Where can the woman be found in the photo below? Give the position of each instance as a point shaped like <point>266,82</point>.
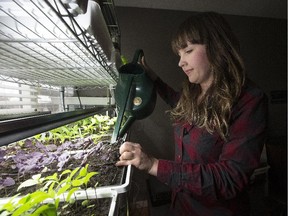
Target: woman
<point>220,121</point>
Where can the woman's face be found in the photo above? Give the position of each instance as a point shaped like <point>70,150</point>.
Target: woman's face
<point>194,62</point>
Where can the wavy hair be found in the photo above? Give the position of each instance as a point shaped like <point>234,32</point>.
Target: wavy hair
<point>213,111</point>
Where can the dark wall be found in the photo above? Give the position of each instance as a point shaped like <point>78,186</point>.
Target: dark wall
<point>264,48</point>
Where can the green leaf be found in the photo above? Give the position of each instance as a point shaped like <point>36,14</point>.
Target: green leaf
<point>45,169</point>
<point>83,171</point>
<point>93,121</point>
<point>75,128</point>
<point>72,201</point>
<point>65,206</point>
<point>74,172</point>
<point>37,136</point>
<point>65,172</point>
<point>27,183</point>
<point>7,206</point>
<point>51,190</point>
<point>88,176</point>
<point>77,182</point>
<point>36,177</point>
<point>34,199</point>
<point>85,203</point>
<point>52,177</point>
<point>106,128</point>
<point>56,201</point>
<point>22,209</point>
<point>70,193</point>
<point>39,196</point>
<point>10,205</point>
<point>91,206</point>
<point>63,189</point>
<point>65,129</point>
<point>45,210</point>
<point>24,199</point>
<point>50,185</point>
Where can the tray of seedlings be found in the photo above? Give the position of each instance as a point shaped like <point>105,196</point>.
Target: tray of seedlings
<point>69,170</point>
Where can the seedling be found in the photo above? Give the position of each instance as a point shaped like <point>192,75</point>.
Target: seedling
<point>45,200</point>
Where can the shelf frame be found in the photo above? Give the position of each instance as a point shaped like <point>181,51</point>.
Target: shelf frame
<point>52,48</point>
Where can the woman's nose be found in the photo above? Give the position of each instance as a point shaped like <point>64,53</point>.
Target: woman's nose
<point>181,62</point>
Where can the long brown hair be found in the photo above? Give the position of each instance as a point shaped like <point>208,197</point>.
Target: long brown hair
<point>214,109</point>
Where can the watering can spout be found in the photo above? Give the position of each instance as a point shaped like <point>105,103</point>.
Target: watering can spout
<point>135,95</point>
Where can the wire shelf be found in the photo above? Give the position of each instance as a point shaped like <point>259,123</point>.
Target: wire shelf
<point>41,43</point>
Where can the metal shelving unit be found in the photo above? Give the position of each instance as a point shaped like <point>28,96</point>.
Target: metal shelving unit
<point>42,43</point>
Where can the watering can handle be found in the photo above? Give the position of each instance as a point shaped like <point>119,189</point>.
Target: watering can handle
<point>137,56</point>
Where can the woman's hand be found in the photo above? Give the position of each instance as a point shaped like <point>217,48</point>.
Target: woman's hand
<point>148,70</point>
<point>132,153</point>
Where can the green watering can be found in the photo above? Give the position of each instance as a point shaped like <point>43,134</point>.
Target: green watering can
<point>135,95</point>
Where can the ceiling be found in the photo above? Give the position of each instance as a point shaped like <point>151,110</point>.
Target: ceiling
<point>258,8</point>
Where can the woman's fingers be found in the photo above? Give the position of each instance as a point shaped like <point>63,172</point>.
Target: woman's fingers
<point>132,154</point>
<point>128,147</point>
<point>123,163</point>
<point>127,155</point>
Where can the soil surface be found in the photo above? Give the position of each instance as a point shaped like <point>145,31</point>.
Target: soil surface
<point>101,158</point>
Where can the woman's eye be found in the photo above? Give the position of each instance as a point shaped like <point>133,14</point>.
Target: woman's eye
<point>189,51</point>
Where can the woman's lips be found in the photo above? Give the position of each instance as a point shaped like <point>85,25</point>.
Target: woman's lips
<point>187,72</point>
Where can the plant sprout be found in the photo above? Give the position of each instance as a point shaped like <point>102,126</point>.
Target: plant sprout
<point>52,187</point>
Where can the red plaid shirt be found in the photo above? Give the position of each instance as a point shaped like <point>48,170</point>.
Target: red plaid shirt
<point>210,176</point>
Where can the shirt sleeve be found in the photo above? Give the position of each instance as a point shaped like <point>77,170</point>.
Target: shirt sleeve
<point>168,94</point>
<point>229,174</point>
